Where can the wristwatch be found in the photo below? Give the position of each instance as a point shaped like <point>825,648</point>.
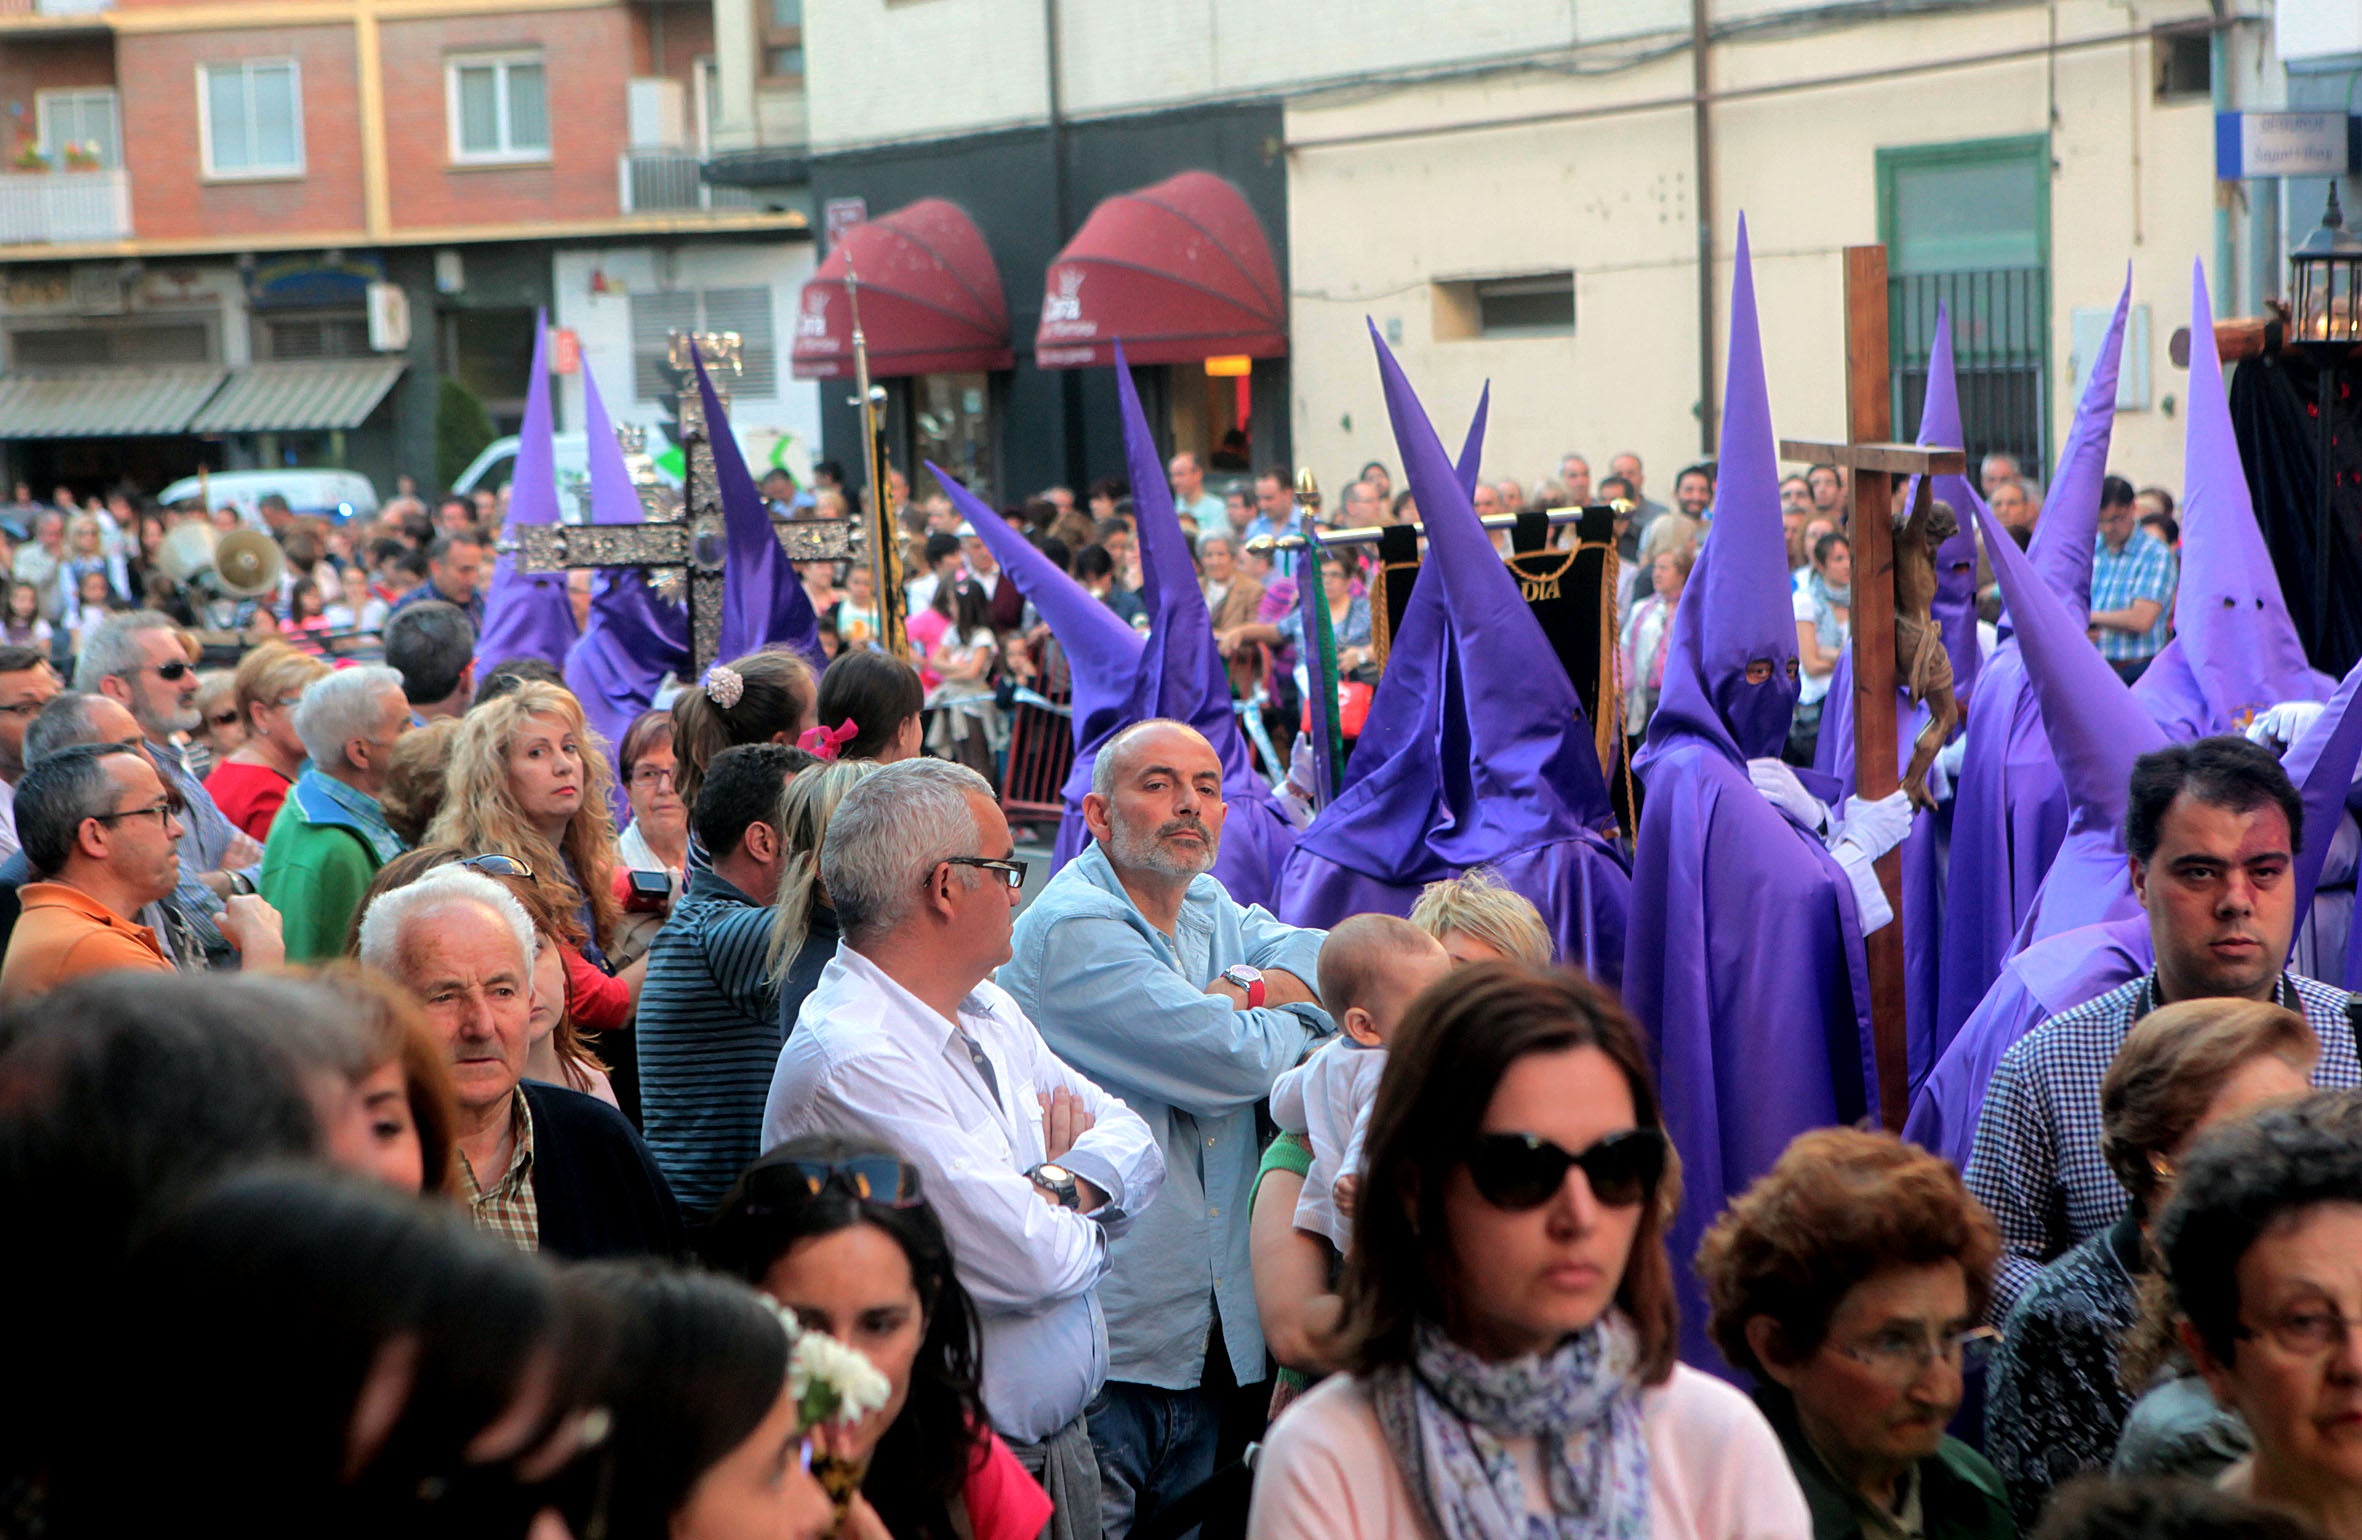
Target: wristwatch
<point>1059,1183</point>
<point>1248,979</point>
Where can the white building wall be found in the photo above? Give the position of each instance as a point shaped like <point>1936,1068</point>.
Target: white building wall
<point>602,321</point>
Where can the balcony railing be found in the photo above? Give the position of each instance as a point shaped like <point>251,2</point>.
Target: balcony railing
<point>671,182</point>
<point>61,208</point>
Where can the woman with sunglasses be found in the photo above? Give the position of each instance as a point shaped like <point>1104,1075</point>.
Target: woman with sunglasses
<point>840,1234</point>
<point>1848,1282</point>
<point>261,757</point>
<point>1508,1322</point>
<point>2262,1245</point>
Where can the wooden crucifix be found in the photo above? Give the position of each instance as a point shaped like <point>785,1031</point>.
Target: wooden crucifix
<point>1870,459</point>
<point>679,546</point>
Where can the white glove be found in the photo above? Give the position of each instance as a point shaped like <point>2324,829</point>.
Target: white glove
<point>1776,779</point>
<point>1869,898</point>
<point>1874,828</point>
<point>1944,771</point>
<point>2279,727</point>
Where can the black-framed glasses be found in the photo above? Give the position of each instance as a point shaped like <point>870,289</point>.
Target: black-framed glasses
<point>1517,1172</point>
<point>164,811</point>
<point>495,864</point>
<point>1012,872</point>
<point>2307,1331</point>
<point>869,1178</point>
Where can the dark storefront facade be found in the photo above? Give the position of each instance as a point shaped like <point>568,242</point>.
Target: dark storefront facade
<point>1023,427</point>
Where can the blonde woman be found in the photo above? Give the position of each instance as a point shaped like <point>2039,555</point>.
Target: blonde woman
<point>251,782</point>
<point>803,923</point>
<point>529,780</point>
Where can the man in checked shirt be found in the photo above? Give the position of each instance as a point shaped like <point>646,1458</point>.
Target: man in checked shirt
<point>2213,828</point>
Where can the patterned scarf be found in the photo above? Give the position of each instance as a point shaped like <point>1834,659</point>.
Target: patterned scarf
<point>1446,1413</point>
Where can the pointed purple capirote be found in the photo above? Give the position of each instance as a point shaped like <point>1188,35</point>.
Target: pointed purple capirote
<point>2063,971</point>
<point>1736,608</point>
<point>763,601</point>
<point>1745,965</point>
<point>2009,807</point>
<point>2095,729</point>
<point>1956,559</point>
<point>527,615</point>
<point>2235,651</point>
<point>1182,673</point>
<point>1103,654</point>
<point>1430,791</point>
<point>633,639</point>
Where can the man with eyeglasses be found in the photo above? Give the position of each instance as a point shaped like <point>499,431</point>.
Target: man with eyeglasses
<point>101,828</point>
<point>139,661</point>
<point>1146,975</point>
<point>26,685</point>
<point>1032,1168</point>
<point>331,835</point>
<point>708,1024</point>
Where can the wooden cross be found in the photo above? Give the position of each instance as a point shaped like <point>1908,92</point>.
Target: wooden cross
<point>680,546</point>
<point>1869,459</point>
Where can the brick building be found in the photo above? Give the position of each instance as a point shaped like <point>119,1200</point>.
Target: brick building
<point>267,232</point>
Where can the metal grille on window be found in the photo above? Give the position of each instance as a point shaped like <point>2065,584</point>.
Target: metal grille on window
<point>748,313</point>
<point>655,317</point>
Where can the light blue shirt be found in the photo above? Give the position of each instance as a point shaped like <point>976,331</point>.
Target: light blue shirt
<point>1262,524</point>
<point>1126,1006</point>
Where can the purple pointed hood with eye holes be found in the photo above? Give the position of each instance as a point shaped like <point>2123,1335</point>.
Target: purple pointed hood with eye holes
<point>527,614</point>
<point>763,601</point>
<point>633,639</point>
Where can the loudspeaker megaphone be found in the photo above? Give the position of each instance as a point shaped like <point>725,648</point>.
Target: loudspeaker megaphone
<point>242,564</point>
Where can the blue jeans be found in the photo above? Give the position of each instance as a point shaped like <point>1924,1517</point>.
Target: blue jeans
<point>1153,1445</point>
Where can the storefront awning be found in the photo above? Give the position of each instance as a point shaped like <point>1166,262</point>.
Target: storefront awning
<point>311,397</point>
<point>1177,272</point>
<point>930,299</point>
<point>103,403</point>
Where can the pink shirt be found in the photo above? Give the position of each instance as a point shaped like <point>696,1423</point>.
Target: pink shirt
<point>1716,1471</point>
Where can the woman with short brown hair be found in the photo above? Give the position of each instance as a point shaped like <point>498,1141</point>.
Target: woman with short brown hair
<point>1508,1323</point>
<point>263,756</point>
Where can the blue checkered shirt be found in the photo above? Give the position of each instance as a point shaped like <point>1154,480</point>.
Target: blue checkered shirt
<point>2036,1163</point>
<point>2144,569</point>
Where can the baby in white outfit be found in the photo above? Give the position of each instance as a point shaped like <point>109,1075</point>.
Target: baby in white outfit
<point>1371,967</point>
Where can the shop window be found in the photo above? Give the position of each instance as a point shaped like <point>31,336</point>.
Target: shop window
<point>1527,305</point>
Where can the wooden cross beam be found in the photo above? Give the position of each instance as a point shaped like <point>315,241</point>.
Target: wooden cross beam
<point>1870,459</point>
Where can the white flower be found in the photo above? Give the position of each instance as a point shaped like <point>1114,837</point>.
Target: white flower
<point>830,1381</point>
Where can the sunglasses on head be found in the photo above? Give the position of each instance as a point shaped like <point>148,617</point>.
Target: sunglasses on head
<point>869,1178</point>
<point>1524,1171</point>
<point>498,865</point>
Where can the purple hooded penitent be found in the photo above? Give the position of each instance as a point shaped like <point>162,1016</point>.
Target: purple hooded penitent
<point>1476,751</point>
<point>763,602</point>
<point>2235,651</point>
<point>2009,808</point>
<point>1745,964</point>
<point>527,615</point>
<point>633,639</point>
<point>1182,674</point>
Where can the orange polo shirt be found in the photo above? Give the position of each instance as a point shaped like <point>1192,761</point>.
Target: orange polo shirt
<point>66,934</point>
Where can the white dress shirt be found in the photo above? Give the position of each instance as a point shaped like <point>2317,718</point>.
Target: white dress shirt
<point>869,1060</point>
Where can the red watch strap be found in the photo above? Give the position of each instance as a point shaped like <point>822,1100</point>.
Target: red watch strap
<point>1255,993</point>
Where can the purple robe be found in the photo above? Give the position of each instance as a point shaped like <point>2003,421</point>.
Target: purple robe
<point>1745,964</point>
<point>763,601</point>
<point>527,615</point>
<point>633,639</point>
<point>1471,755</point>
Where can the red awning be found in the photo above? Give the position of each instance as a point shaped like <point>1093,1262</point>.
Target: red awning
<point>1177,272</point>
<point>930,299</point>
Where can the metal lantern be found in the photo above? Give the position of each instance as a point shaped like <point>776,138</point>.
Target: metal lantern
<point>2326,284</point>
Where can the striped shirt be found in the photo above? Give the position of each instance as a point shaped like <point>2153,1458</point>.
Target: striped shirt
<point>508,1208</point>
<point>2144,569</point>
<point>709,1037</point>
<point>2037,1164</point>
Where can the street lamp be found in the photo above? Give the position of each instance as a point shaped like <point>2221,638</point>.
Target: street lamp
<point>2325,282</point>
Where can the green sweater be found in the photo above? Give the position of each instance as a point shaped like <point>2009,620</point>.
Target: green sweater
<point>1961,1496</point>
<point>314,875</point>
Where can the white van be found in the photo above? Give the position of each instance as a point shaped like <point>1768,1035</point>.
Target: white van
<point>570,451</point>
<point>337,495</point>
